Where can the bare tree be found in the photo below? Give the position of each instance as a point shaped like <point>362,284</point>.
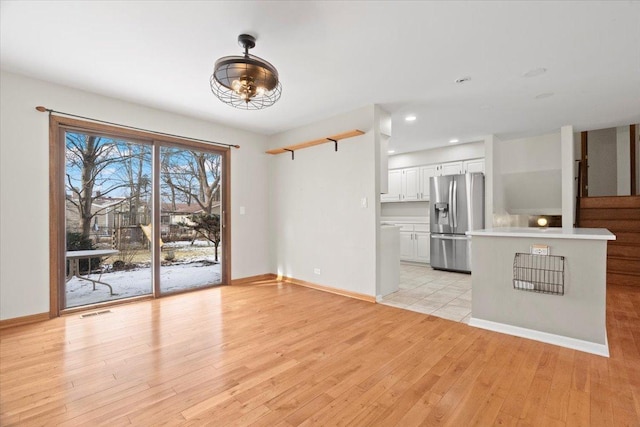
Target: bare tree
<point>192,177</point>
<point>92,163</point>
<point>134,157</point>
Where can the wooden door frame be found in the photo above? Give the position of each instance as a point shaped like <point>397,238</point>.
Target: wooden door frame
<point>58,125</point>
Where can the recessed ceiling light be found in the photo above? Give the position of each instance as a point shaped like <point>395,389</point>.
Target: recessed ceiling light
<point>410,118</point>
<point>391,151</point>
<point>544,95</point>
<point>453,141</point>
<point>535,72</point>
<point>463,79</point>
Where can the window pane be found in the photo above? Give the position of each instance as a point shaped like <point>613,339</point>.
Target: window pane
<point>190,219</point>
<point>108,213</point>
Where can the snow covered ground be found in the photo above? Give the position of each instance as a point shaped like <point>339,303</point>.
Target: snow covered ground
<point>125,284</point>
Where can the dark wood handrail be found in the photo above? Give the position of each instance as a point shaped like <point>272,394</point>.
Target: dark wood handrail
<point>578,194</point>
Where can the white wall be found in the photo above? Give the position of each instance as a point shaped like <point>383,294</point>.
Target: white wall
<point>451,153</point>
<point>623,176</point>
<point>569,188</point>
<point>24,183</point>
<point>491,180</point>
<point>405,209</point>
<point>316,214</point>
<point>527,173</point>
<point>602,162</point>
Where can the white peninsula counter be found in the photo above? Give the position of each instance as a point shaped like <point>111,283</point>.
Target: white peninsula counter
<point>557,295</point>
<point>389,260</point>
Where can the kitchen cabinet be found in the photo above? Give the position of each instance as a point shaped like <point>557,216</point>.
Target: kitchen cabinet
<point>404,186</point>
<point>472,166</point>
<point>451,168</point>
<point>394,193</point>
<point>410,184</point>
<point>423,246</point>
<point>414,242</point>
<point>426,172</point>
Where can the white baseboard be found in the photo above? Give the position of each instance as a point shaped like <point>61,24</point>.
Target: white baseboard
<point>573,343</point>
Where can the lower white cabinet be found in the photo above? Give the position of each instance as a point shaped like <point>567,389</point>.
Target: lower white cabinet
<point>414,242</point>
<point>423,246</point>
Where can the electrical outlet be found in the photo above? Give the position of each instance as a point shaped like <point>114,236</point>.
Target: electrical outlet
<point>364,202</point>
<point>316,271</point>
<point>540,249</point>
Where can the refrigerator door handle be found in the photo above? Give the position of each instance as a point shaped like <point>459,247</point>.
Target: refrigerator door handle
<point>451,203</point>
<point>454,205</point>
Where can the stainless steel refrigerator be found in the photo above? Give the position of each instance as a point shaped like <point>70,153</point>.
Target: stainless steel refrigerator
<point>456,206</point>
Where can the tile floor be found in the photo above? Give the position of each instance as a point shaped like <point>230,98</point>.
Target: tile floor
<point>439,293</point>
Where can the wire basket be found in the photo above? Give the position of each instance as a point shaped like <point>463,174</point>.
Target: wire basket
<point>539,273</point>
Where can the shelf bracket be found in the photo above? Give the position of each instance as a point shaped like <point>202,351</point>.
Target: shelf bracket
<point>335,142</point>
<point>293,154</point>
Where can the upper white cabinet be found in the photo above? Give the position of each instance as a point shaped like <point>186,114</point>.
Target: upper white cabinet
<point>475,165</point>
<point>451,168</point>
<point>426,172</point>
<point>394,193</point>
<point>412,184</point>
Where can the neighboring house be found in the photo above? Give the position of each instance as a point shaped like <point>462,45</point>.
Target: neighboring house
<point>110,213</point>
<point>173,216</point>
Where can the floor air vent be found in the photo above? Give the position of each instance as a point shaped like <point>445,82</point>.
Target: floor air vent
<point>97,313</point>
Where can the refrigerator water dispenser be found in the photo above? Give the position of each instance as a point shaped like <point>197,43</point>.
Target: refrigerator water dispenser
<point>442,213</point>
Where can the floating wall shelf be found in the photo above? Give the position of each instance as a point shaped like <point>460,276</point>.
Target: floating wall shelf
<point>334,138</point>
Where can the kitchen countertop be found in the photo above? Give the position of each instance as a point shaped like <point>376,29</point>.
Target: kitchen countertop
<point>405,220</point>
<point>548,233</point>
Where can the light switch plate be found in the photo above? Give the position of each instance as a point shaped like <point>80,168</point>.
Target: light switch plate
<point>242,210</point>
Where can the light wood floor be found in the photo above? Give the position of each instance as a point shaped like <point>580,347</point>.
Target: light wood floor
<point>278,355</point>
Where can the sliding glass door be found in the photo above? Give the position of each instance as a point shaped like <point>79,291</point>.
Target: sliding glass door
<point>190,212</point>
<point>141,217</point>
<point>107,210</point>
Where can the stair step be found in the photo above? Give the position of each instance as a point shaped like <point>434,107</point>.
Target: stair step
<point>610,213</point>
<point>623,265</point>
<point>613,225</point>
<point>614,278</point>
<point>623,250</point>
<point>610,202</point>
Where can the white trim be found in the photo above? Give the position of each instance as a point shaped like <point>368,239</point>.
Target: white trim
<point>567,156</point>
<point>573,343</point>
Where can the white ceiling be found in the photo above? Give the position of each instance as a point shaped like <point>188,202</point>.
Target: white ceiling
<point>337,56</point>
